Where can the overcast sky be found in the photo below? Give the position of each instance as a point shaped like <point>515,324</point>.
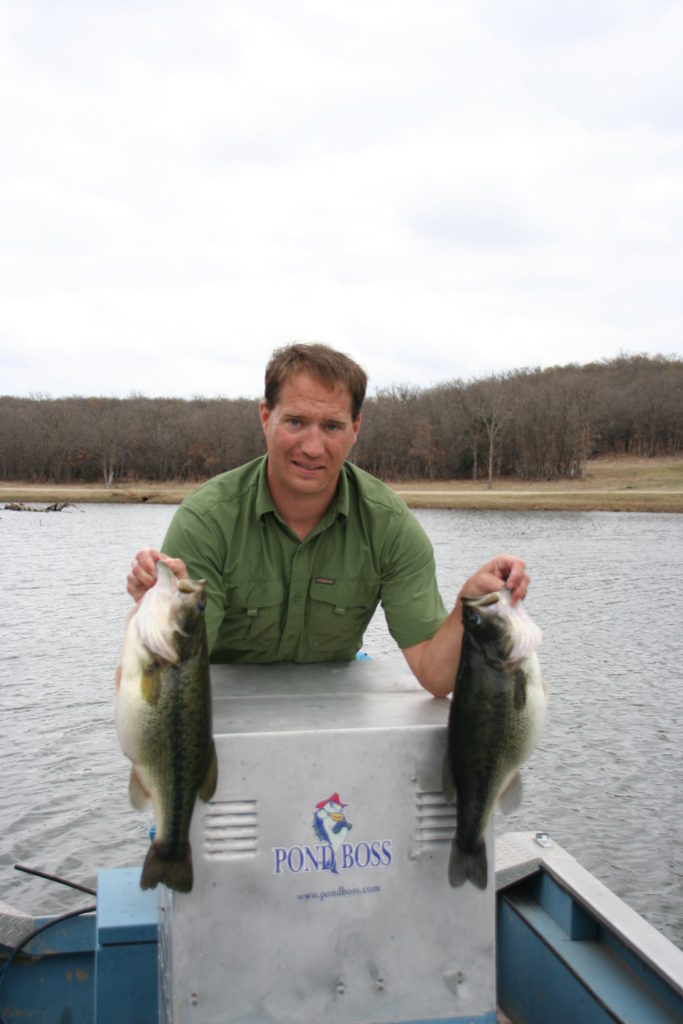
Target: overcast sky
<point>441,189</point>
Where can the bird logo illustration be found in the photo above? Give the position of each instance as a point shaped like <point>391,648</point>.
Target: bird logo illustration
<point>331,825</point>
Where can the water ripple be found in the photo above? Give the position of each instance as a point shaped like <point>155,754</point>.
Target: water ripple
<point>605,781</point>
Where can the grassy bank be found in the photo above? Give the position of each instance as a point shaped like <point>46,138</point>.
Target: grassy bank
<point>611,485</point>
<point>620,485</point>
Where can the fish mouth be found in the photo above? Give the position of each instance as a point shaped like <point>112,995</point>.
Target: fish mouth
<point>511,632</point>
<point>483,602</point>
<point>489,605</point>
<point>188,586</point>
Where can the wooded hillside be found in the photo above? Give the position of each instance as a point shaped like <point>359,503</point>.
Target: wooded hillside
<point>532,423</point>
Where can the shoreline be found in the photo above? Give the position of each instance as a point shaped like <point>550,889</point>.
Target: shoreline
<point>565,497</point>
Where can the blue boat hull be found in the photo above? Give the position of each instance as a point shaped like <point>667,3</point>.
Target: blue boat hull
<point>568,950</point>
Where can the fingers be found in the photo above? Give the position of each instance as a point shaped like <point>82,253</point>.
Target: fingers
<point>176,565</point>
<point>513,572</point>
<point>143,571</point>
<point>502,571</point>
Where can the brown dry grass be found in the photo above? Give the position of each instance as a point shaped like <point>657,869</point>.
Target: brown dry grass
<point>622,484</point>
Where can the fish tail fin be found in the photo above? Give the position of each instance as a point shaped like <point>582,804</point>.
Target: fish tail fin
<point>172,868</point>
<point>468,865</point>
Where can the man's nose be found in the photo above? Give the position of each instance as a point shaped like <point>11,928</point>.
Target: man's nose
<point>312,440</point>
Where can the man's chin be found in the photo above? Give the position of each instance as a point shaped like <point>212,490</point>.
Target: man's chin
<point>307,481</point>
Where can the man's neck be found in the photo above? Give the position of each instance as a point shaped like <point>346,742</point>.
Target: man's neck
<point>301,512</point>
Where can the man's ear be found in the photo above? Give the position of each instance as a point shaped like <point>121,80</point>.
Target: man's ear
<point>264,413</point>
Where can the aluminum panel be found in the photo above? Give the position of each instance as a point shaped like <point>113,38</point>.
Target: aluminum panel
<point>321,889</point>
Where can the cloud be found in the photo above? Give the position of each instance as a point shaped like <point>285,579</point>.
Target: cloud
<point>439,189</point>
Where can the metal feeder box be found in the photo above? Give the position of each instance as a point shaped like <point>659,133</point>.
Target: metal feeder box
<point>321,890</point>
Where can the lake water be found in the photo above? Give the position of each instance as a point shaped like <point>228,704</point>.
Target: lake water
<point>606,781</point>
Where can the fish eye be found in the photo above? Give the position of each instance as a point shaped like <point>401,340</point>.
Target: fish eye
<point>201,605</point>
<point>474,618</point>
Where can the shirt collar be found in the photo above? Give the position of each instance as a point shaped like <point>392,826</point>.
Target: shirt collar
<point>264,501</point>
<point>338,509</point>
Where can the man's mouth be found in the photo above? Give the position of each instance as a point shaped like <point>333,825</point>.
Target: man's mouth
<point>308,467</point>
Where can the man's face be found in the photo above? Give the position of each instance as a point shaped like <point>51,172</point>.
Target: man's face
<point>309,434</point>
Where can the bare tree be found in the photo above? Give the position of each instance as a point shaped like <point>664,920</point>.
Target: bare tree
<point>488,400</point>
<point>537,423</point>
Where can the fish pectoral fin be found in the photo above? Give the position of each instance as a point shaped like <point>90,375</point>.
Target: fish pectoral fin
<point>150,682</point>
<point>208,786</point>
<point>447,780</point>
<point>139,796</point>
<point>511,797</point>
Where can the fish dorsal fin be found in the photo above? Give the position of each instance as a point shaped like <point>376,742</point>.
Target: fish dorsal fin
<point>447,780</point>
<point>208,786</point>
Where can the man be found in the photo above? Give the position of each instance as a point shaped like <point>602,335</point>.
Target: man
<point>298,547</point>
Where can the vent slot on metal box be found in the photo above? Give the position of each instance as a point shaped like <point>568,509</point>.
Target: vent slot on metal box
<point>435,819</point>
<point>231,829</point>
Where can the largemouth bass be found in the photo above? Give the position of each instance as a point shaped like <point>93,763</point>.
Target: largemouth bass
<point>163,719</point>
<point>496,717</point>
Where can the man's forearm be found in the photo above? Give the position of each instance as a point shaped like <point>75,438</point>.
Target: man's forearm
<point>434,662</point>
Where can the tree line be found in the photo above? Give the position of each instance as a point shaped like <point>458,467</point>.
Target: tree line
<point>531,423</point>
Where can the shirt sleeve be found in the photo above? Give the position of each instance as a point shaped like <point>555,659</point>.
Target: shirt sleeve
<point>200,546</point>
<point>413,606</point>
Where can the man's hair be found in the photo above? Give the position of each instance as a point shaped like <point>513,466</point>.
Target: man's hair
<point>321,362</point>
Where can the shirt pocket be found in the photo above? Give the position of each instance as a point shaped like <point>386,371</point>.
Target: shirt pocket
<point>253,613</point>
<point>339,613</point>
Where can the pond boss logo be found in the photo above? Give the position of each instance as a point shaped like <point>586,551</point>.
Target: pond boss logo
<point>334,850</point>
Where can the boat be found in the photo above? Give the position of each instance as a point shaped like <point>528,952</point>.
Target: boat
<point>281,927</point>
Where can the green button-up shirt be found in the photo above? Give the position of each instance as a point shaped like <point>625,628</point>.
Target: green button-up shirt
<point>272,597</point>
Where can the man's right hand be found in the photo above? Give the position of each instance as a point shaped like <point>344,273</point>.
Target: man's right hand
<point>143,571</point>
